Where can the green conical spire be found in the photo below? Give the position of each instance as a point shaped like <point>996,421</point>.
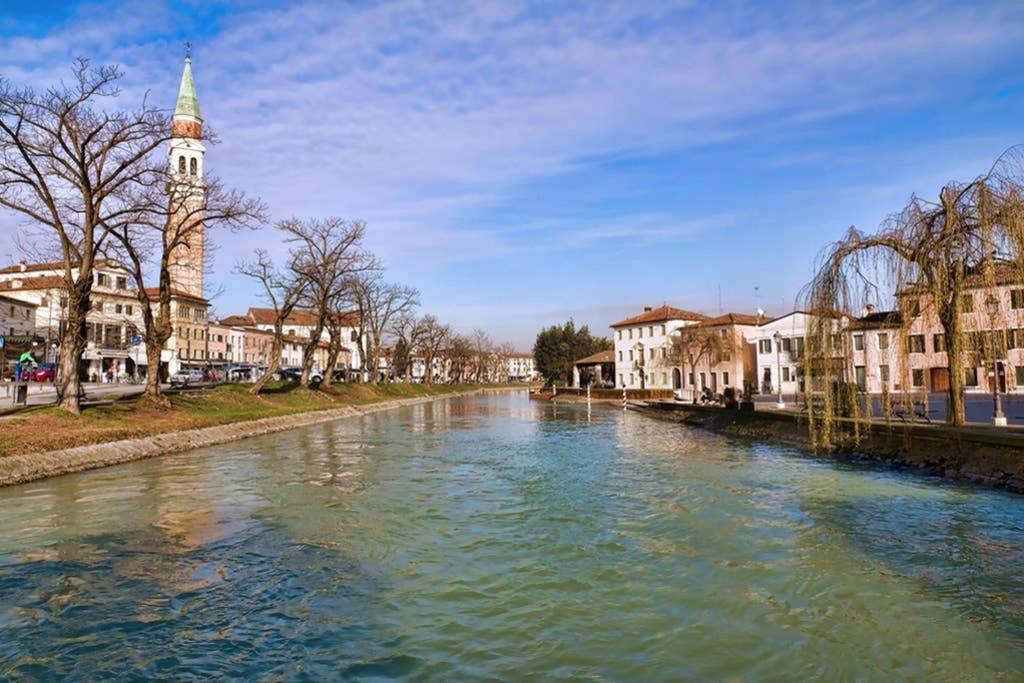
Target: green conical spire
<point>188,103</point>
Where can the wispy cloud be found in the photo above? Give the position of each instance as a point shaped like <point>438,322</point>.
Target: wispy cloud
<point>420,116</point>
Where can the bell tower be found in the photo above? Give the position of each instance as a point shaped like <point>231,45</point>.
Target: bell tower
<point>187,190</point>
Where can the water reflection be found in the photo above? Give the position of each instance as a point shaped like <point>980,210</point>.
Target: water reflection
<point>496,537</point>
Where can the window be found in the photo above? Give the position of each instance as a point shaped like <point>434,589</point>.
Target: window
<point>631,354</point>
<point>787,344</point>
<point>725,379</point>
<point>118,308</point>
<point>883,341</point>
<point>883,373</point>
<point>181,165</point>
<point>703,380</point>
<point>355,336</point>
<point>967,303</point>
<point>620,335</point>
<point>785,374</point>
<point>1015,338</point>
<point>916,343</point>
<point>631,336</point>
<point>620,356</point>
<point>939,342</point>
<point>664,378</point>
<point>1016,299</point>
<point>102,279</point>
<point>128,309</point>
<point>651,354</point>
<point>691,379</point>
<point>664,352</point>
<point>858,342</point>
<point>860,377</point>
<point>914,309</point>
<point>122,282</point>
<point>193,166</point>
<point>650,331</point>
<point>640,333</point>
<point>971,377</point>
<point>917,377</point>
<point>1020,375</point>
<point>765,346</point>
<point>663,329</point>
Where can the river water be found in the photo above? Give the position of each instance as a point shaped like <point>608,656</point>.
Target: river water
<point>498,538</point>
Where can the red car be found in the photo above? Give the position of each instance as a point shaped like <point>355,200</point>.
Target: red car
<point>44,373</point>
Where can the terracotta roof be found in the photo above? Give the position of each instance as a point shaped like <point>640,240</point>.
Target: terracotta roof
<point>34,283</point>
<point>877,320</point>
<point>236,321</point>
<point>599,357</point>
<point>23,267</point>
<point>660,314</point>
<point>154,292</point>
<point>735,319</point>
<point>299,316</point>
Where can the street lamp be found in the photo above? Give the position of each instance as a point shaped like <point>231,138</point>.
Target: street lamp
<point>778,362</point>
<point>998,418</point>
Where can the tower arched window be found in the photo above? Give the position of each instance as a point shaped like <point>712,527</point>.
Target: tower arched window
<point>193,167</point>
<point>181,165</point>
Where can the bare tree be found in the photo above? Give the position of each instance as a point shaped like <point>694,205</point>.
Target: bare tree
<point>483,352</point>
<point>406,329</point>
<point>337,324</point>
<point>693,345</point>
<point>328,254</point>
<point>170,215</point>
<point>459,357</point>
<point>283,289</point>
<point>433,338</point>
<point>378,304</point>
<point>70,163</point>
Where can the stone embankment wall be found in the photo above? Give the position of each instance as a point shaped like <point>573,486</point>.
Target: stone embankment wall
<point>19,469</point>
<point>978,455</point>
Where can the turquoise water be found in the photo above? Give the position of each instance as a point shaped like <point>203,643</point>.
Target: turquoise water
<point>495,538</point>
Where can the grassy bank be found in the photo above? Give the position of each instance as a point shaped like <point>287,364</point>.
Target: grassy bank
<point>39,429</point>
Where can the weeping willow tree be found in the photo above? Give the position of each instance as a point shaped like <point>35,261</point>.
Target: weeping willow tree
<point>931,259</point>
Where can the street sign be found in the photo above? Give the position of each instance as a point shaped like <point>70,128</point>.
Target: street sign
<point>2,345</point>
<point>136,340</point>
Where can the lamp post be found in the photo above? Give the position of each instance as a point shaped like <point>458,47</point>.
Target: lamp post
<point>778,362</point>
<point>998,417</point>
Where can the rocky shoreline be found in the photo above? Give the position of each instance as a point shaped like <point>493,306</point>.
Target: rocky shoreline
<point>977,456</point>
<point>21,469</point>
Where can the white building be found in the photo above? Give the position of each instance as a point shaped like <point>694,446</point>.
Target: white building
<point>520,367</point>
<point>643,344</point>
<point>780,346</point>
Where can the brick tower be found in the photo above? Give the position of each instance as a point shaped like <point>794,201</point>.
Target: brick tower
<point>187,190</point>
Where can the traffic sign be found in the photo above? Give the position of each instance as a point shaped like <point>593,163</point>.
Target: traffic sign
<point>136,340</point>
<point>2,344</point>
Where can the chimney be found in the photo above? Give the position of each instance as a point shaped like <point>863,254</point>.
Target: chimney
<point>647,309</point>
<point>22,267</point>
<point>869,309</point>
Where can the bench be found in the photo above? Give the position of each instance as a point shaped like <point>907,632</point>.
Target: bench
<point>919,409</point>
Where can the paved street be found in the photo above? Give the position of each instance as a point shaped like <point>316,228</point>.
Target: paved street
<point>978,408</point>
<point>45,394</point>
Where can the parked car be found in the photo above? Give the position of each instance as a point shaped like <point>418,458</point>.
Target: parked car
<point>294,374</point>
<point>47,372</point>
<point>183,378</point>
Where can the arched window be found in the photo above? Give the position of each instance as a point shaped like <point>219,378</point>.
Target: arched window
<point>193,167</point>
<point>181,165</point>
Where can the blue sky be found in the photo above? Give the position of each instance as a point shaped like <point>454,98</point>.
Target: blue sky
<point>523,162</point>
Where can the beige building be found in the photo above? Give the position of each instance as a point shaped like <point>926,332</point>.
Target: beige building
<point>722,355</point>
